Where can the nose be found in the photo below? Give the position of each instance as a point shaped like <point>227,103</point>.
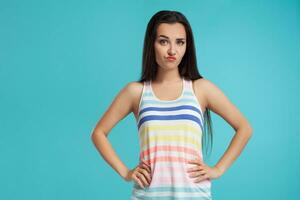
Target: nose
<point>171,50</point>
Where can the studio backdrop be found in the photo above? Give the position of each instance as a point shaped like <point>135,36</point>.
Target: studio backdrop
<point>63,62</point>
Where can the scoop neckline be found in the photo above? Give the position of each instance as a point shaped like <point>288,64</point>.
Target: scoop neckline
<point>181,95</point>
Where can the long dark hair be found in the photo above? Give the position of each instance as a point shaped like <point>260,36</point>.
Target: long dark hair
<point>188,65</point>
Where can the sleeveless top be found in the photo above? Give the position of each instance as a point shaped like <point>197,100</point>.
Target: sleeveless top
<point>170,134</point>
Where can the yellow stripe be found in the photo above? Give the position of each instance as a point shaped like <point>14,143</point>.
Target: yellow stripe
<point>180,127</point>
<point>170,138</point>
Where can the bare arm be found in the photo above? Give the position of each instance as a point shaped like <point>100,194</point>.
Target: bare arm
<point>221,105</point>
<point>121,106</point>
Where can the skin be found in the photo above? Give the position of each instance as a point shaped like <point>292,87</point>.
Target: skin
<point>167,86</point>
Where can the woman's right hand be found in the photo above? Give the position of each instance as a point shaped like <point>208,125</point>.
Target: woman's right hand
<point>141,174</point>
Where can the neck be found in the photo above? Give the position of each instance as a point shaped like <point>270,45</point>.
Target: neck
<point>167,76</point>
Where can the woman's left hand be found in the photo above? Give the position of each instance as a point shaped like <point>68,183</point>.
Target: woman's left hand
<point>202,171</point>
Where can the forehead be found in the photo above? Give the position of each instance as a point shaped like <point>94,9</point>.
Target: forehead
<point>175,30</point>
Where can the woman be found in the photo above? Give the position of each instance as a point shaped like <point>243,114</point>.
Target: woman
<point>171,104</point>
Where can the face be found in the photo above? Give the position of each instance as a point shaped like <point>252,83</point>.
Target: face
<point>170,42</point>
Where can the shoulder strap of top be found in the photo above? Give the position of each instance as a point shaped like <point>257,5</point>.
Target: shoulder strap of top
<point>189,85</point>
<point>144,90</point>
<point>147,87</point>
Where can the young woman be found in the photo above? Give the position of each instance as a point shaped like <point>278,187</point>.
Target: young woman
<point>171,103</point>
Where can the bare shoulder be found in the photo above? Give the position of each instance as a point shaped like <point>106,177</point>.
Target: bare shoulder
<point>208,90</point>
<point>135,90</point>
<point>217,101</point>
<point>205,85</point>
<point>199,86</point>
<point>203,82</point>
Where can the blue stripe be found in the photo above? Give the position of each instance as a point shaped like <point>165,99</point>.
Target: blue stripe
<point>142,193</point>
<point>170,117</point>
<point>172,197</point>
<point>171,109</point>
<point>186,101</point>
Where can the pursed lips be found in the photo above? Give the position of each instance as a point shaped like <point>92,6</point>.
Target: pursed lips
<point>171,58</point>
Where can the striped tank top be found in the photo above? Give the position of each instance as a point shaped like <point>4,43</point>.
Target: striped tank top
<point>170,134</point>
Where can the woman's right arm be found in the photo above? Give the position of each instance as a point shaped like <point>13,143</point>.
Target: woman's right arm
<point>120,107</point>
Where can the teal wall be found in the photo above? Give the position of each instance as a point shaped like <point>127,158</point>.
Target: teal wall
<point>63,62</point>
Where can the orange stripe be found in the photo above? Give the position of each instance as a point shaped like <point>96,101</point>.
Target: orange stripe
<point>147,152</point>
<point>166,159</point>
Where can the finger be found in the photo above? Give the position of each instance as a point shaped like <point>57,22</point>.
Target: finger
<point>138,181</point>
<point>193,169</point>
<point>143,179</point>
<point>201,179</point>
<point>146,174</point>
<point>143,161</point>
<point>194,174</point>
<point>197,160</point>
<point>194,162</point>
<point>146,167</point>
<point>197,174</point>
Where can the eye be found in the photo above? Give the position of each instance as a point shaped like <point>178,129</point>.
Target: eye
<point>162,41</point>
<point>181,42</point>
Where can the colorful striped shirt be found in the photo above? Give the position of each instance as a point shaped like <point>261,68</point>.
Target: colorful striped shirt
<point>170,134</point>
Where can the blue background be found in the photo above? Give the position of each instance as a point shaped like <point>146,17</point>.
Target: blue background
<point>63,62</point>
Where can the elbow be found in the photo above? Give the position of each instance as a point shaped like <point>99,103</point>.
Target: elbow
<point>96,134</point>
<point>93,136</point>
<point>249,130</point>
<point>245,129</point>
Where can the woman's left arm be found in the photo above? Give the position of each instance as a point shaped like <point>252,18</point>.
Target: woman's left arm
<point>221,105</point>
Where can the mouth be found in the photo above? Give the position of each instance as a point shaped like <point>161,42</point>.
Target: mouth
<point>171,58</point>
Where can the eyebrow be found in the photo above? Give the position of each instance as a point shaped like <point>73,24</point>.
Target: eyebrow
<point>168,37</point>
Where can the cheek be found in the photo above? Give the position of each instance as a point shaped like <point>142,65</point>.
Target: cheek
<point>159,53</point>
<point>182,52</point>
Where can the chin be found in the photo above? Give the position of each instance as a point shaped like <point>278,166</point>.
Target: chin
<point>169,65</point>
<point>173,66</point>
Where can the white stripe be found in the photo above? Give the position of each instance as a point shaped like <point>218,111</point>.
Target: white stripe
<point>155,103</point>
<point>169,164</point>
<point>205,184</point>
<point>149,97</point>
<point>172,112</point>
<point>167,153</point>
<point>171,123</point>
<point>177,194</point>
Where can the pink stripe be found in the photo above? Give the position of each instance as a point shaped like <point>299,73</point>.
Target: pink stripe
<point>168,159</point>
<point>147,152</point>
<point>159,181</point>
